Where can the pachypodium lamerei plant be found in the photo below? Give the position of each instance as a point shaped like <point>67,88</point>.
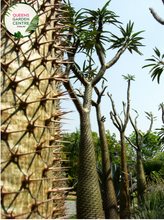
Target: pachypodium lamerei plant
<point>110,202</point>
<point>141,179</point>
<point>32,181</point>
<point>121,126</point>
<point>90,37</point>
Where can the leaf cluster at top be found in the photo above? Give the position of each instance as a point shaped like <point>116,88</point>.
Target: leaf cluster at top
<point>157,65</point>
<point>89,35</point>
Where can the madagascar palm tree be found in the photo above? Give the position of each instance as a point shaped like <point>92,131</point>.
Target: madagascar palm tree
<point>141,180</point>
<point>110,202</point>
<point>121,126</point>
<point>88,37</point>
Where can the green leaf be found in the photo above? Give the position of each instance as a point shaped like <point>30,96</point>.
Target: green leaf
<point>78,67</point>
<point>137,33</point>
<point>157,51</point>
<point>151,60</point>
<point>149,65</point>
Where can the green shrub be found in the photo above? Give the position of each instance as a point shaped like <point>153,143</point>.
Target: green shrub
<point>151,208</point>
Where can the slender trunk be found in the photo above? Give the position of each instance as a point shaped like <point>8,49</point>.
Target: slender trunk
<point>110,202</point>
<point>89,203</point>
<point>124,187</point>
<point>141,181</point>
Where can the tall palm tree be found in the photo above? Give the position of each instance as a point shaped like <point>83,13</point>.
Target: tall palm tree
<point>88,37</point>
<point>121,126</point>
<point>110,202</point>
<point>141,180</point>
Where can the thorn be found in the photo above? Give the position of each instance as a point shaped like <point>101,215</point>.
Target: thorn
<point>60,180</point>
<point>61,152</point>
<point>47,168</point>
<point>61,160</point>
<point>65,118</point>
<point>3,191</point>
<point>58,209</point>
<point>66,142</point>
<point>59,189</point>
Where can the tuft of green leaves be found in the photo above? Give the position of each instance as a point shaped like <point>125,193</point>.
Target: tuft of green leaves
<point>161,106</point>
<point>96,19</point>
<point>86,71</point>
<point>150,115</point>
<point>129,77</point>
<point>133,40</point>
<point>157,65</point>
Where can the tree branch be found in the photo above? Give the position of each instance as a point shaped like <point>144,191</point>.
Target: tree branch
<point>72,93</point>
<point>124,105</point>
<point>115,114</point>
<point>100,54</point>
<point>151,124</point>
<point>135,128</point>
<point>78,74</point>
<point>155,15</point>
<point>114,122</point>
<point>162,107</point>
<point>128,106</point>
<point>99,75</point>
<point>100,94</point>
<point>133,145</point>
<point>117,56</point>
<point>97,45</point>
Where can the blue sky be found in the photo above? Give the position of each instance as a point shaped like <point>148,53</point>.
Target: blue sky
<point>145,95</point>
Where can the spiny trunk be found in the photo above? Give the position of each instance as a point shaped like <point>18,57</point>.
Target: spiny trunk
<point>110,202</point>
<point>124,187</point>
<point>32,183</point>
<point>89,203</point>
<point>141,181</point>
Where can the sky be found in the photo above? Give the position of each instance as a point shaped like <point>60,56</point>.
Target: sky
<point>145,94</point>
